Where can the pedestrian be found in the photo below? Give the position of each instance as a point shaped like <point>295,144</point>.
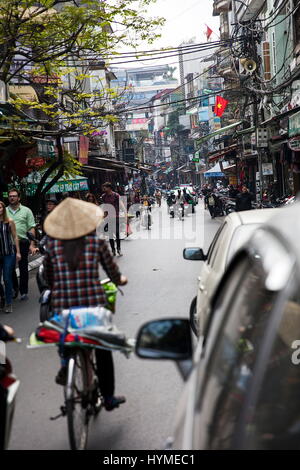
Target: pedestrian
<point>244,200</point>
<point>91,198</point>
<point>137,200</point>
<point>211,203</point>
<point>9,253</point>
<point>109,197</point>
<point>158,197</point>
<point>50,204</point>
<point>74,253</point>
<point>24,220</point>
<point>233,192</point>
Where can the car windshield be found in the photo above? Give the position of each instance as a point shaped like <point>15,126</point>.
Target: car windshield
<point>240,236</point>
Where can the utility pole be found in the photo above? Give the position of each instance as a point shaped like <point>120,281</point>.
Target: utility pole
<point>259,156</point>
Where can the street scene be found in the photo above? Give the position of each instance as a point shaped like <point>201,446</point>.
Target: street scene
<point>149,226</point>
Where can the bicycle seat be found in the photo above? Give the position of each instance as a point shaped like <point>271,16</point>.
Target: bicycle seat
<point>101,333</point>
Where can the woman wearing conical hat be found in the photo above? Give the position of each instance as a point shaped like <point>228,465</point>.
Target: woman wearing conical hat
<point>74,252</point>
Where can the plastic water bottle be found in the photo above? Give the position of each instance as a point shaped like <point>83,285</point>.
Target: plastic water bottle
<point>84,317</point>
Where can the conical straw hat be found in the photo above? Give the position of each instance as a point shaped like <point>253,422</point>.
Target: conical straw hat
<point>73,218</point>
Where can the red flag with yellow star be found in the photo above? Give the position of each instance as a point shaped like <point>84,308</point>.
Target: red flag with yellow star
<point>220,106</point>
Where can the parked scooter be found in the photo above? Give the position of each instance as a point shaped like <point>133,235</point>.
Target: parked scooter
<point>9,385</point>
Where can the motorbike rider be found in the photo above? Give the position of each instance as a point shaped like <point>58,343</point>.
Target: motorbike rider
<point>188,198</point>
<point>171,200</point>
<point>180,201</point>
<point>71,263</point>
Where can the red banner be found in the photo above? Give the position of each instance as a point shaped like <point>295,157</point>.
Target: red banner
<point>83,149</point>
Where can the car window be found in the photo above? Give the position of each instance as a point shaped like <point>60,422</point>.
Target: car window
<point>239,237</point>
<point>243,319</point>
<point>210,254</point>
<point>218,255</point>
<point>275,422</point>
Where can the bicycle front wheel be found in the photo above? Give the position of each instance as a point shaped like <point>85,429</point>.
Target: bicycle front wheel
<point>76,394</point>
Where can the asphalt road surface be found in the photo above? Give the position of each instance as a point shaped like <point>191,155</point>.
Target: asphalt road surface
<point>161,284</point>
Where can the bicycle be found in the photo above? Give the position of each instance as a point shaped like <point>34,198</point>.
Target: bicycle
<point>82,398</point>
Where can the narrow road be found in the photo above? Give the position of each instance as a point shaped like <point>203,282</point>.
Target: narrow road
<point>161,284</point>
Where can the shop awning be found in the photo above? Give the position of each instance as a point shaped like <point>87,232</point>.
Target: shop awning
<point>217,132</point>
<point>221,153</point>
<point>281,116</point>
<point>145,168</point>
<point>180,168</point>
<point>230,167</point>
<point>108,162</point>
<point>246,131</point>
<point>97,168</point>
<point>215,171</point>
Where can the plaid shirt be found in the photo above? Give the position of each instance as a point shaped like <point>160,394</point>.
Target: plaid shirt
<point>81,287</point>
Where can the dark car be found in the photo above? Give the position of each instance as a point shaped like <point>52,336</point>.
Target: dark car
<point>243,384</point>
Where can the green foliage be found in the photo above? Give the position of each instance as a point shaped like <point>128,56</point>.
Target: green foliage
<point>53,46</point>
<point>173,124</point>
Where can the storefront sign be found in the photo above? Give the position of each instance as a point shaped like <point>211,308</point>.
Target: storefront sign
<point>267,169</point>
<point>294,124</point>
<point>294,144</point>
<point>61,186</point>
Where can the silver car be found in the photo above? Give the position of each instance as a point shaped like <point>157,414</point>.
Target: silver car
<point>243,384</point>
<point>232,234</point>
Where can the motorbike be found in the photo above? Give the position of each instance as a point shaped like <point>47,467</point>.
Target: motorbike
<point>9,385</point>
<point>172,211</point>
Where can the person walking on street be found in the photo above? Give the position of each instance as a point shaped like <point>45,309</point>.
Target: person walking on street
<point>113,219</point>
<point>158,197</point>
<point>74,253</point>
<point>211,202</point>
<point>24,221</point>
<point>9,253</point>
<point>51,203</point>
<point>90,197</point>
<point>137,200</point>
<point>244,199</point>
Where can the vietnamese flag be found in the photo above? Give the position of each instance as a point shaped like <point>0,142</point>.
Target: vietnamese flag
<point>220,106</point>
<point>209,32</point>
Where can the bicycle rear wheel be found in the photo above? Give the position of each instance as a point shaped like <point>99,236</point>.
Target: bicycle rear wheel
<point>76,394</point>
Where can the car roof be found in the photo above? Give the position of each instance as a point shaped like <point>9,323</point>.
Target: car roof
<point>256,216</point>
<point>286,224</point>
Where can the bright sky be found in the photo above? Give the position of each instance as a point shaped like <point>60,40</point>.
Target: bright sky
<point>184,20</point>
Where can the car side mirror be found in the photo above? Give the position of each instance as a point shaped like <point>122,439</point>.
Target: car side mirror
<point>194,253</point>
<point>168,338</point>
